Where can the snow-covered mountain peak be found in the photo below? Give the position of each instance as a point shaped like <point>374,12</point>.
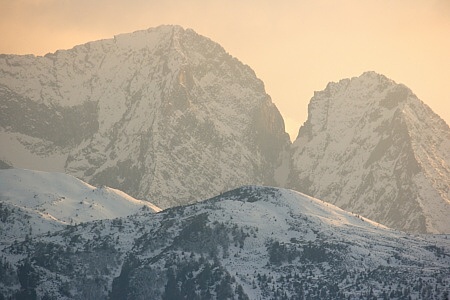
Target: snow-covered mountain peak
<point>163,113</point>
<point>348,101</point>
<point>147,39</point>
<point>371,146</point>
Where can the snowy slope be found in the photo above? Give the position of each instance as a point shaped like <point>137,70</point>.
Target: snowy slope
<point>249,243</point>
<point>162,113</point>
<point>371,147</point>
<point>34,202</point>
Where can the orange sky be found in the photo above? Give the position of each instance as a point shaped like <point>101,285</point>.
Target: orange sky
<point>294,46</point>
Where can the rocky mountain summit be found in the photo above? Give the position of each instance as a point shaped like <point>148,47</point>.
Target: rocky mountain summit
<point>163,114</point>
<point>370,146</point>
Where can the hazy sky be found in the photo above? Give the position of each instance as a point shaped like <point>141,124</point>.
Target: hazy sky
<point>295,46</point>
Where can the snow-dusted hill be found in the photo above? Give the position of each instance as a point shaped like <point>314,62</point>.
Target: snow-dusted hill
<point>33,203</point>
<point>372,147</point>
<point>164,114</point>
<point>249,243</point>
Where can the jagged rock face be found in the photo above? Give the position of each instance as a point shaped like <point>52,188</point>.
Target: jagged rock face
<point>162,114</point>
<point>372,147</point>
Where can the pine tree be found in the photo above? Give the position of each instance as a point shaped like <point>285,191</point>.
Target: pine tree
<point>171,290</point>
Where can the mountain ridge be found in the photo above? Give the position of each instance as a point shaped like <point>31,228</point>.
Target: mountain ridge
<point>249,243</point>
<point>34,203</point>
<point>169,115</point>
